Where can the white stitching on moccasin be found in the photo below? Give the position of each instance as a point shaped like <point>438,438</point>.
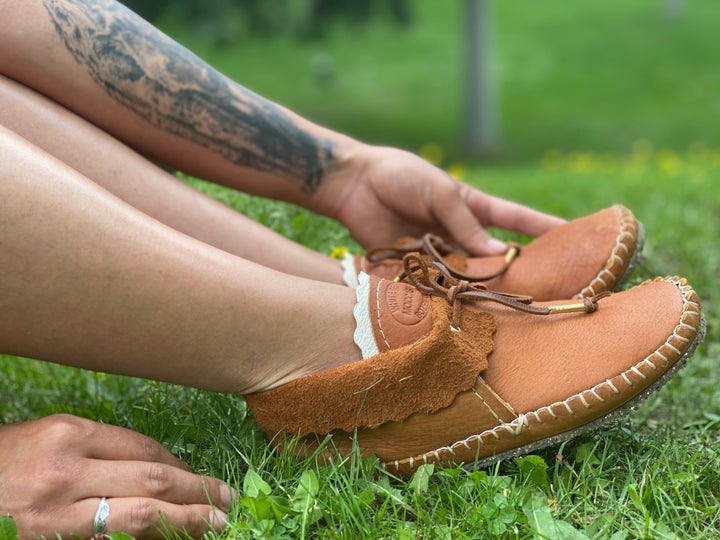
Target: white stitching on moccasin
<point>628,232</point>
<point>487,405</point>
<point>516,426</point>
<point>377,304</point>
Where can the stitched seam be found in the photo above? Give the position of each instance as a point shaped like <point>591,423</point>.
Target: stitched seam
<point>515,427</point>
<point>377,309</point>
<point>619,244</point>
<point>612,386</point>
<point>489,408</point>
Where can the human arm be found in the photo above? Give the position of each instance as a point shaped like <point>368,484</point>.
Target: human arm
<point>111,67</point>
<point>387,193</point>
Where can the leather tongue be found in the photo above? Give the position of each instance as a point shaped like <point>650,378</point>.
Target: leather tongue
<point>400,315</point>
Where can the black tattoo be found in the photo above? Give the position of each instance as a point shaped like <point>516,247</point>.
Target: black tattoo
<point>144,70</point>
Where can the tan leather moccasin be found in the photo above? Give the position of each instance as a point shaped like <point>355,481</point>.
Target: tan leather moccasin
<point>456,374</point>
<point>583,257</point>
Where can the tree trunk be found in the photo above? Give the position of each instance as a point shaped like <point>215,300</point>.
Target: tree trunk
<point>481,123</point>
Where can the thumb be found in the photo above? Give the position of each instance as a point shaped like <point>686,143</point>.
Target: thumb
<point>464,228</point>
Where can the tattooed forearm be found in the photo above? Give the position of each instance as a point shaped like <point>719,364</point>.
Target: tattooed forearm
<point>176,91</point>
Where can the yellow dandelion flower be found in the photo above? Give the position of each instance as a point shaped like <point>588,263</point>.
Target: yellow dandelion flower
<point>457,170</point>
<point>581,162</point>
<point>432,152</point>
<point>669,162</point>
<point>338,252</point>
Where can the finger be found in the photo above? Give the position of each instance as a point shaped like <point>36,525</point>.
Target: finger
<point>454,213</point>
<point>511,216</point>
<point>153,480</point>
<point>145,518</point>
<point>107,442</point>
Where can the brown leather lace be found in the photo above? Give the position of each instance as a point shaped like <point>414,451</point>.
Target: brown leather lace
<point>437,249</point>
<point>458,291</point>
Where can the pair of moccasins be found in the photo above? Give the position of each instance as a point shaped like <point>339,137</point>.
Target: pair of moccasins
<point>473,360</point>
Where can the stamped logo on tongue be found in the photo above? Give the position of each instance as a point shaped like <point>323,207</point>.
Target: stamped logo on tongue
<point>406,305</point>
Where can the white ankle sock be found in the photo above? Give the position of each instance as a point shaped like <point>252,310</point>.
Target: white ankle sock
<point>350,276</point>
<point>363,336</point>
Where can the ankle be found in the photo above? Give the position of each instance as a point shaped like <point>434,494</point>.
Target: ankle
<point>311,342</point>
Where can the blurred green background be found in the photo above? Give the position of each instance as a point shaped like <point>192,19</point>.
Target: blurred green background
<point>596,76</point>
<point>596,103</point>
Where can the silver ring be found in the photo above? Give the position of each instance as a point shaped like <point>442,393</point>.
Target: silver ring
<point>100,521</point>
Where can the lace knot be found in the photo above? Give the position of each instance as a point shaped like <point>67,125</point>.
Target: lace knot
<point>454,290</point>
<point>435,279</point>
<point>436,249</point>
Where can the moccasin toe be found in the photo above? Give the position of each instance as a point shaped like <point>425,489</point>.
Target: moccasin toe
<point>581,258</point>
<point>549,379</point>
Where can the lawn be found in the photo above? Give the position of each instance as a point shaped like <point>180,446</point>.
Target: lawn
<point>654,474</point>
<point>605,103</point>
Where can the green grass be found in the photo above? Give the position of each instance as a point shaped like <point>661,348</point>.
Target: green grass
<point>601,103</point>
<point>654,474</point>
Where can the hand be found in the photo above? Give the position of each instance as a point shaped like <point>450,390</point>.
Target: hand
<point>387,193</point>
<point>54,471</point>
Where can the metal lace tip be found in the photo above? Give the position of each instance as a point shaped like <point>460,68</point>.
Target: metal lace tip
<point>568,308</point>
<point>511,254</point>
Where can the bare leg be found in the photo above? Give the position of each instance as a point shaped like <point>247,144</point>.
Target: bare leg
<point>140,183</point>
<point>90,281</point>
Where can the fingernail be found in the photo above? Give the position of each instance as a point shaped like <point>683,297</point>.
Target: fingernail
<point>218,519</point>
<point>495,245</point>
<point>225,496</point>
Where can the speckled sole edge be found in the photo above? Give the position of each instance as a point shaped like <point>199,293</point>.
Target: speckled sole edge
<point>637,256</point>
<point>595,424</point>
